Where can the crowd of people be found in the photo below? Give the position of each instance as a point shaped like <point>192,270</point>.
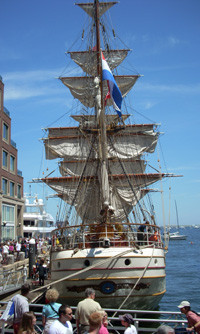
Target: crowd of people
<point>22,245</point>
<point>90,318</point>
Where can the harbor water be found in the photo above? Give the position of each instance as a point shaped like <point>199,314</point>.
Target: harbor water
<point>182,270</point>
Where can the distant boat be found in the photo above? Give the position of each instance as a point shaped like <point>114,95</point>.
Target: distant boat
<point>176,235</point>
<point>37,222</point>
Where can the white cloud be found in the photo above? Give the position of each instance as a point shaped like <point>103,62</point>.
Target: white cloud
<point>179,88</point>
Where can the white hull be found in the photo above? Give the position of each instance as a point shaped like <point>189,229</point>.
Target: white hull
<point>113,279</point>
<point>177,236</point>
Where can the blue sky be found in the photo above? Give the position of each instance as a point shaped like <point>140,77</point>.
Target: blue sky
<point>165,38</point>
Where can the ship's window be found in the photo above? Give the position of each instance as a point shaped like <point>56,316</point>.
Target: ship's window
<point>155,261</point>
<point>87,263</point>
<point>127,262</point>
<point>58,264</point>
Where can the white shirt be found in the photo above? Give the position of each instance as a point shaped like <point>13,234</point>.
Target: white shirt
<point>5,249</point>
<point>131,330</point>
<point>18,247</point>
<point>21,306</point>
<point>58,328</point>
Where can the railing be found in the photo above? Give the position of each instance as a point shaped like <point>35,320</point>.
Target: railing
<point>145,321</point>
<point>106,235</point>
<point>11,280</point>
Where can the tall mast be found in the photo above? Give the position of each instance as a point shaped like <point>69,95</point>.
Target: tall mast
<point>103,155</point>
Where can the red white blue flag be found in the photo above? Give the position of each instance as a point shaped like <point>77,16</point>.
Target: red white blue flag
<point>114,92</point>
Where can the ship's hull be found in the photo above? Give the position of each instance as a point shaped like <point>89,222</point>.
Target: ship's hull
<point>113,275</point>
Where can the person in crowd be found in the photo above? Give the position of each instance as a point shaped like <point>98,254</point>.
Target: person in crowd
<point>42,272</point>
<point>62,325</point>
<point>104,325</point>
<point>18,249</point>
<point>21,306</point>
<point>164,329</point>
<point>193,318</point>
<point>24,248</point>
<point>11,248</point>
<point>95,323</point>
<point>50,310</point>
<point>84,309</point>
<point>127,321</point>
<point>27,324</point>
<point>5,252</point>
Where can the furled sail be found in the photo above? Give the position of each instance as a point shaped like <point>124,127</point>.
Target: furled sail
<point>87,60</point>
<point>125,191</point>
<point>90,9</point>
<point>84,88</point>
<point>91,167</point>
<point>119,146</point>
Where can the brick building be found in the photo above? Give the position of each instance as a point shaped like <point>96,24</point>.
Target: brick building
<point>11,180</point>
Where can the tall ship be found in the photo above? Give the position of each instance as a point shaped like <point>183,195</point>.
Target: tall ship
<point>109,239</point>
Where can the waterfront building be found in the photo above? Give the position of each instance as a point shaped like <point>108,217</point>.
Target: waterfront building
<point>11,180</point>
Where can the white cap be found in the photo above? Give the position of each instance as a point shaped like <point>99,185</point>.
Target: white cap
<point>183,304</point>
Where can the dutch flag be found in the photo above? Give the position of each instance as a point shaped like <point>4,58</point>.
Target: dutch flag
<point>114,92</point>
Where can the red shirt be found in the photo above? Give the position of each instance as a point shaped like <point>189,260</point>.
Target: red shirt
<point>193,318</point>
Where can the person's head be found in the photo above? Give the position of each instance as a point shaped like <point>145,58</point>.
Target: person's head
<point>28,321</point>
<point>52,295</point>
<point>164,329</point>
<point>25,288</point>
<point>126,319</point>
<point>42,261</point>
<point>95,320</point>
<point>104,318</point>
<point>90,293</point>
<point>65,313</point>
<point>184,306</point>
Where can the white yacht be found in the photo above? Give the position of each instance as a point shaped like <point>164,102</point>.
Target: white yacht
<point>37,222</point>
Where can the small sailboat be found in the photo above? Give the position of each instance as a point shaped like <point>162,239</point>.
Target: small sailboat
<point>176,235</point>
<point>109,238</point>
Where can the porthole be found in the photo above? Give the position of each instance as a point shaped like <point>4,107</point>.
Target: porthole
<point>87,263</point>
<point>127,262</point>
<point>58,264</point>
<point>155,261</point>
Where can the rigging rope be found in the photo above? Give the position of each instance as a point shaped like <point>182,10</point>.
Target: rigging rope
<point>135,283</point>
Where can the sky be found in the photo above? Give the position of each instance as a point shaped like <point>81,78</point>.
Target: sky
<point>165,40</point>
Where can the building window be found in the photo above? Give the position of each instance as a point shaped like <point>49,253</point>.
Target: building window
<point>5,186</point>
<point>5,131</point>
<point>19,191</point>
<point>8,220</point>
<point>5,159</point>
<point>12,189</point>
<point>12,163</point>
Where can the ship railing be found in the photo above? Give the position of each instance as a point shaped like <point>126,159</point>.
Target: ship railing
<point>144,321</point>
<point>116,235</point>
<point>10,279</point>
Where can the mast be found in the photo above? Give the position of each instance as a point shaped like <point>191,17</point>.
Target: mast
<point>177,215</point>
<point>103,156</point>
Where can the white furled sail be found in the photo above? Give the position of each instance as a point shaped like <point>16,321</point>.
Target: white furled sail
<point>87,60</point>
<point>84,88</point>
